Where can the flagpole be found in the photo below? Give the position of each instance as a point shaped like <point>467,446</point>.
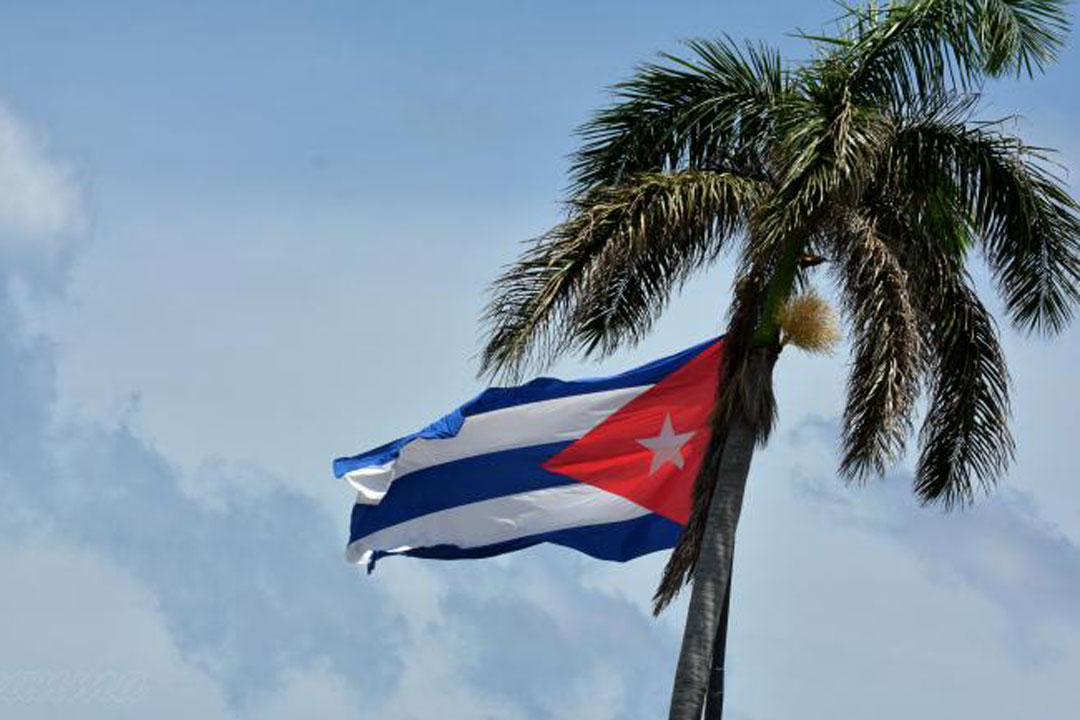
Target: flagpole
<point>714,696</point>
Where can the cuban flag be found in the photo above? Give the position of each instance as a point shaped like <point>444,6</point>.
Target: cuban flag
<point>605,466</point>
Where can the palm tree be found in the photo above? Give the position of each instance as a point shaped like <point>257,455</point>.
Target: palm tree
<point>867,161</point>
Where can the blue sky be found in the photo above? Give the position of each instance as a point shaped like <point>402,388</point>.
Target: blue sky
<point>238,240</point>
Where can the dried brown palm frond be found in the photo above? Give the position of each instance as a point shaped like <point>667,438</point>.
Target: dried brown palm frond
<point>965,436</point>
<point>884,379</point>
<point>965,441</point>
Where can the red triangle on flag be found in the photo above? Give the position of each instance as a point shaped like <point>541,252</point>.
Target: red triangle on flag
<point>649,451</point>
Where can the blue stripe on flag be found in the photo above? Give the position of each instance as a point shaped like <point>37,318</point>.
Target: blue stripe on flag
<point>460,482</point>
<point>618,541</point>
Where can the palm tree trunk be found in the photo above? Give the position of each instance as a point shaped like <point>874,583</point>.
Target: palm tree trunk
<point>712,573</point>
<point>714,696</point>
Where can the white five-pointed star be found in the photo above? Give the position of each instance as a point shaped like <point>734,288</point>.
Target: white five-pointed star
<point>667,446</point>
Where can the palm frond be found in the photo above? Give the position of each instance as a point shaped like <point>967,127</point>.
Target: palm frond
<point>1028,225</point>
<point>883,383</point>
<point>964,440</point>
<point>1020,35</point>
<point>707,111</point>
<point>600,278</point>
<point>831,149</point>
<point>908,50</point>
<point>675,225</point>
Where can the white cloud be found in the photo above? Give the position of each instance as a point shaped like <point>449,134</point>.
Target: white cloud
<point>857,595</point>
<point>82,639</point>
<point>39,199</point>
<point>1002,548</point>
<point>316,691</point>
<point>600,694</point>
<point>433,680</point>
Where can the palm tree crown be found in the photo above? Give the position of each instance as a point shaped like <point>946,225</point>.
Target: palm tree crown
<point>869,156</point>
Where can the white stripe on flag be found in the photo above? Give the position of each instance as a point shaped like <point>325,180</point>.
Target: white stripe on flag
<point>500,519</point>
<point>536,423</point>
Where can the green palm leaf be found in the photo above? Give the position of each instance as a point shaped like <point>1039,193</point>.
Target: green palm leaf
<point>1027,224</point>
<point>709,111</point>
<point>904,52</point>
<point>603,276</point>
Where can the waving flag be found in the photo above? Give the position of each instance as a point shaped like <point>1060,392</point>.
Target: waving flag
<point>604,466</point>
